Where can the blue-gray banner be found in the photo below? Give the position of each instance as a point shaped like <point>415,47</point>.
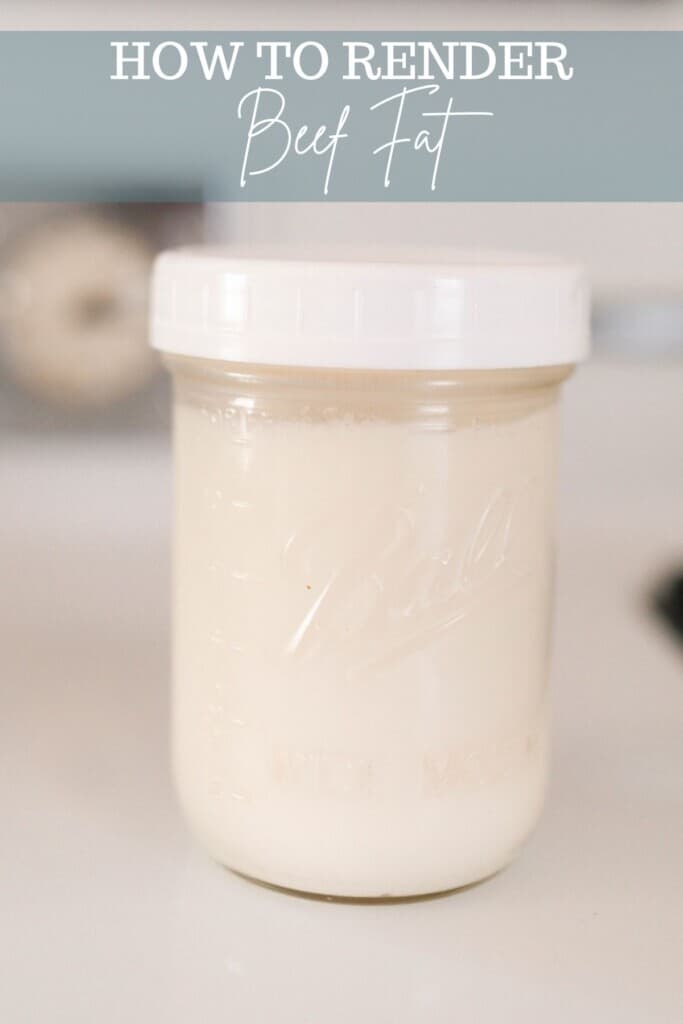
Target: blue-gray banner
<point>121,116</point>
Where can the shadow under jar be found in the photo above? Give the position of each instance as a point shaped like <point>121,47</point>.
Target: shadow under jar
<point>364,458</point>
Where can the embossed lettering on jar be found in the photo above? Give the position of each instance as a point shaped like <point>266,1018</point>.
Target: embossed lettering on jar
<point>363,561</point>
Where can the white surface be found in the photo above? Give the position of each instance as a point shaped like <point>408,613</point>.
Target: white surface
<point>399,310</point>
<point>107,911</point>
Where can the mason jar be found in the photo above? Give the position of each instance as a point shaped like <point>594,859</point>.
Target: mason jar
<point>363,559</point>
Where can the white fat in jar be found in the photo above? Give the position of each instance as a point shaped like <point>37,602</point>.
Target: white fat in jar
<point>363,559</point>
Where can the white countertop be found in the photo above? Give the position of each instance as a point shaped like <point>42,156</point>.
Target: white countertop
<point>108,912</point>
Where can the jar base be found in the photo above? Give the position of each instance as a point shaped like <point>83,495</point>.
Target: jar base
<point>384,899</point>
<point>425,857</point>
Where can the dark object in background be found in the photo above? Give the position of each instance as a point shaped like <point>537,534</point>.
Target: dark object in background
<point>668,603</point>
<point>73,318</point>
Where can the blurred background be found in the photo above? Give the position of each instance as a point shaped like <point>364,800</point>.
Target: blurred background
<point>93,299</point>
<point>85,482</point>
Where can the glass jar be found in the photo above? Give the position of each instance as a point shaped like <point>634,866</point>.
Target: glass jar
<point>363,561</point>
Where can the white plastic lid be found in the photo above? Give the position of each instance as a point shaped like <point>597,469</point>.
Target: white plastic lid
<point>443,312</point>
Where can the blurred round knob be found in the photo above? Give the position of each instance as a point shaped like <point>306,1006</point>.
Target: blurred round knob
<point>73,303</point>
